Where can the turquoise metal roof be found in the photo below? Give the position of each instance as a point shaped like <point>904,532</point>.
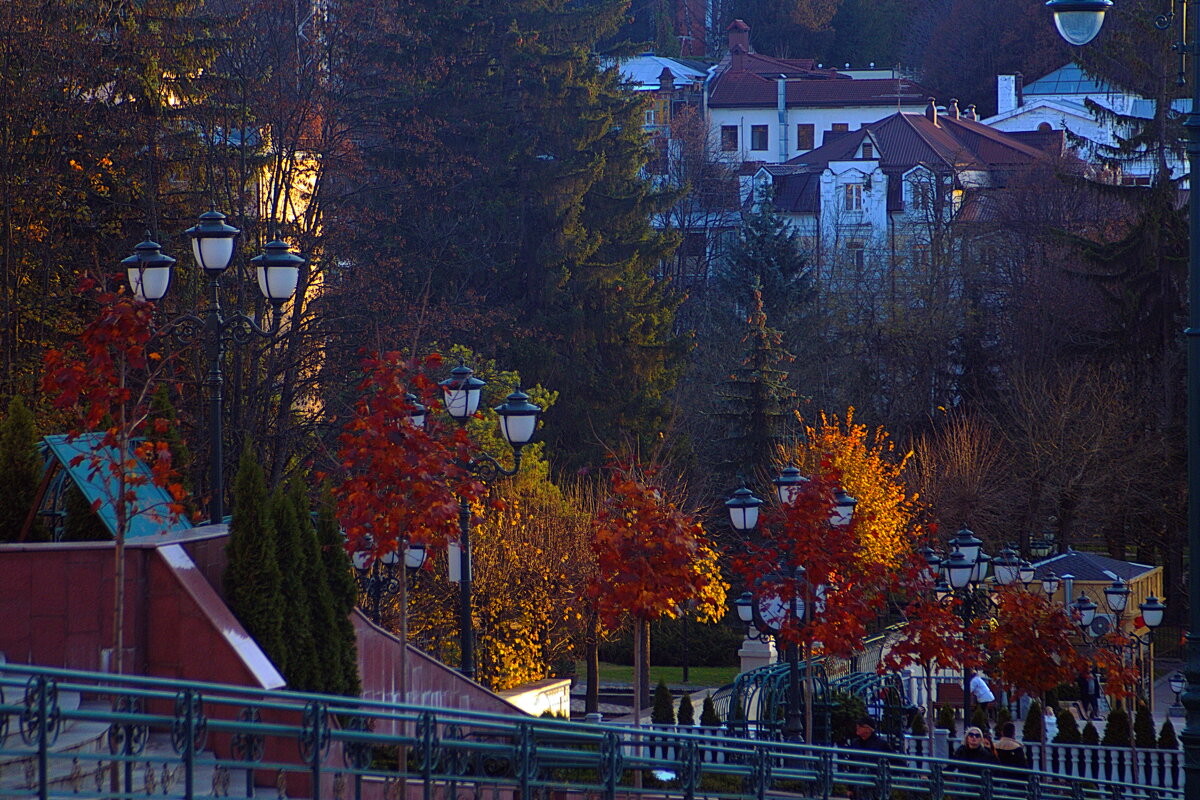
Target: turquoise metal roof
<point>1070,79</point>
<point>151,515</point>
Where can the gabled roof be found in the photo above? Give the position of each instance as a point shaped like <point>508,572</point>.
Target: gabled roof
<point>642,72</point>
<point>1088,567</point>
<point>907,140</point>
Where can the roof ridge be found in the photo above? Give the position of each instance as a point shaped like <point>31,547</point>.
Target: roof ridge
<point>928,142</point>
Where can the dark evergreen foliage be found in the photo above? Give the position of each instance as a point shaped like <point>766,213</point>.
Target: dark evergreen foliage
<point>161,408</point>
<point>20,471</point>
<point>1068,727</point>
<point>80,522</point>
<point>664,706</point>
<point>1031,731</point>
<point>299,640</point>
<point>944,719</point>
<point>337,571</point>
<point>687,713</point>
<point>253,580</point>
<point>1089,734</point>
<point>708,713</point>
<point>1116,728</point>
<point>1167,740</point>
<point>1143,728</point>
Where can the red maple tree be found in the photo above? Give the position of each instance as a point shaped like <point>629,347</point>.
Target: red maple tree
<point>804,557</point>
<point>109,375</point>
<point>652,559</point>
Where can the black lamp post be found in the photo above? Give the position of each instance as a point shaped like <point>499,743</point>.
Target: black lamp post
<point>148,271</point>
<point>1079,21</point>
<point>765,613</point>
<point>380,578</point>
<point>1116,597</point>
<point>518,422</point>
<point>963,575</point>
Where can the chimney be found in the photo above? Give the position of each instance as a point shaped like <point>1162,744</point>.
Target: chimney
<point>1019,79</point>
<point>953,109</point>
<point>931,111</point>
<point>737,55</point>
<point>1008,96</point>
<point>666,80</point>
<point>739,36</point>
<point>971,113</point>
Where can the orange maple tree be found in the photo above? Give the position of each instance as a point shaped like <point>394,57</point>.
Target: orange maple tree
<point>109,375</point>
<point>652,559</point>
<point>803,556</point>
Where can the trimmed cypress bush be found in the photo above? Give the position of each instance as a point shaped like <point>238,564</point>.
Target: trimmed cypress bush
<point>1031,731</point>
<point>945,719</point>
<point>979,719</point>
<point>664,706</point>
<point>343,589</point>
<point>1089,734</point>
<point>1143,728</point>
<point>1068,728</point>
<point>301,659</point>
<point>1116,729</point>
<point>20,472</point>
<point>708,713</point>
<point>253,581</point>
<point>1003,716</point>
<point>687,713</point>
<point>918,725</point>
<point>1167,740</point>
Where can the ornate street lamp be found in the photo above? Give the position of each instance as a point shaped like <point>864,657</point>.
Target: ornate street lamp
<point>1078,21</point>
<point>379,577</point>
<point>518,419</point>
<point>148,271</point>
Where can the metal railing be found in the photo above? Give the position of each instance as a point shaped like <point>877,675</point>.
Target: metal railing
<point>66,734</point>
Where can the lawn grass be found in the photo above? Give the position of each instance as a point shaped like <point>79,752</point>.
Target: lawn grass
<point>698,677</point>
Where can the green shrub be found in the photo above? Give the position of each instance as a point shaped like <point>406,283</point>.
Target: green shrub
<point>664,706</point>
<point>1068,728</point>
<point>979,719</point>
<point>1031,731</point>
<point>1116,730</point>
<point>1089,735</point>
<point>687,714</point>
<point>847,708</point>
<point>708,713</point>
<point>918,724</point>
<point>1167,740</point>
<point>709,644</point>
<point>945,719</point>
<point>1003,716</point>
<point>20,472</point>
<point>1143,728</point>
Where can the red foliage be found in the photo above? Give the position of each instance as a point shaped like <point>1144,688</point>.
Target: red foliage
<point>1035,642</point>
<point>648,551</point>
<point>401,481</point>
<point>800,535</point>
<point>109,374</point>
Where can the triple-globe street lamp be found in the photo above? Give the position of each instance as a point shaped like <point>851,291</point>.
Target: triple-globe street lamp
<point>518,419</point>
<point>149,270</point>
<point>765,613</point>
<point>1079,21</point>
<point>380,579</point>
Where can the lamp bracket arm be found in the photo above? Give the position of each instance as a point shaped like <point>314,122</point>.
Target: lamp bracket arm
<point>241,329</point>
<point>488,469</point>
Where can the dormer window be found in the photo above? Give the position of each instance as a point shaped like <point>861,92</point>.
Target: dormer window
<point>868,151</point>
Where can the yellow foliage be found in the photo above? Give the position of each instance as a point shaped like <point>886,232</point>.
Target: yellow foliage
<point>870,470</point>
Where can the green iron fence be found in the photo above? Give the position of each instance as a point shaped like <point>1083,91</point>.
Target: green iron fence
<point>66,734</point>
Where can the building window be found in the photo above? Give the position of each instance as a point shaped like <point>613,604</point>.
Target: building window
<point>856,254</point>
<point>840,127</point>
<point>868,152</point>
<point>649,119</point>
<point>729,138</point>
<point>852,197</point>
<point>805,137</point>
<point>758,137</point>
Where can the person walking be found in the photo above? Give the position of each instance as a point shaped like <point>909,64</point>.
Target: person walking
<point>981,693</point>
<point>1089,693</point>
<point>1010,752</point>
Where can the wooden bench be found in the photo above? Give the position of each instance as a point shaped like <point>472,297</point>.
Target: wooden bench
<point>950,694</point>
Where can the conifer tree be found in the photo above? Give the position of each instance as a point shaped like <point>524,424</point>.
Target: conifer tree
<point>253,581</point>
<point>664,707</point>
<point>1031,731</point>
<point>343,591</point>
<point>708,712</point>
<point>756,400</point>
<point>1143,728</point>
<point>1068,727</point>
<point>20,471</point>
<point>1167,740</point>
<point>1116,728</point>
<point>687,713</point>
<point>81,523</point>
<point>299,643</point>
<point>1089,734</point>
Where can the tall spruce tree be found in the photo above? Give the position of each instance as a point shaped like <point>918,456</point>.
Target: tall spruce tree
<point>756,400</point>
<point>253,581</point>
<point>20,471</point>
